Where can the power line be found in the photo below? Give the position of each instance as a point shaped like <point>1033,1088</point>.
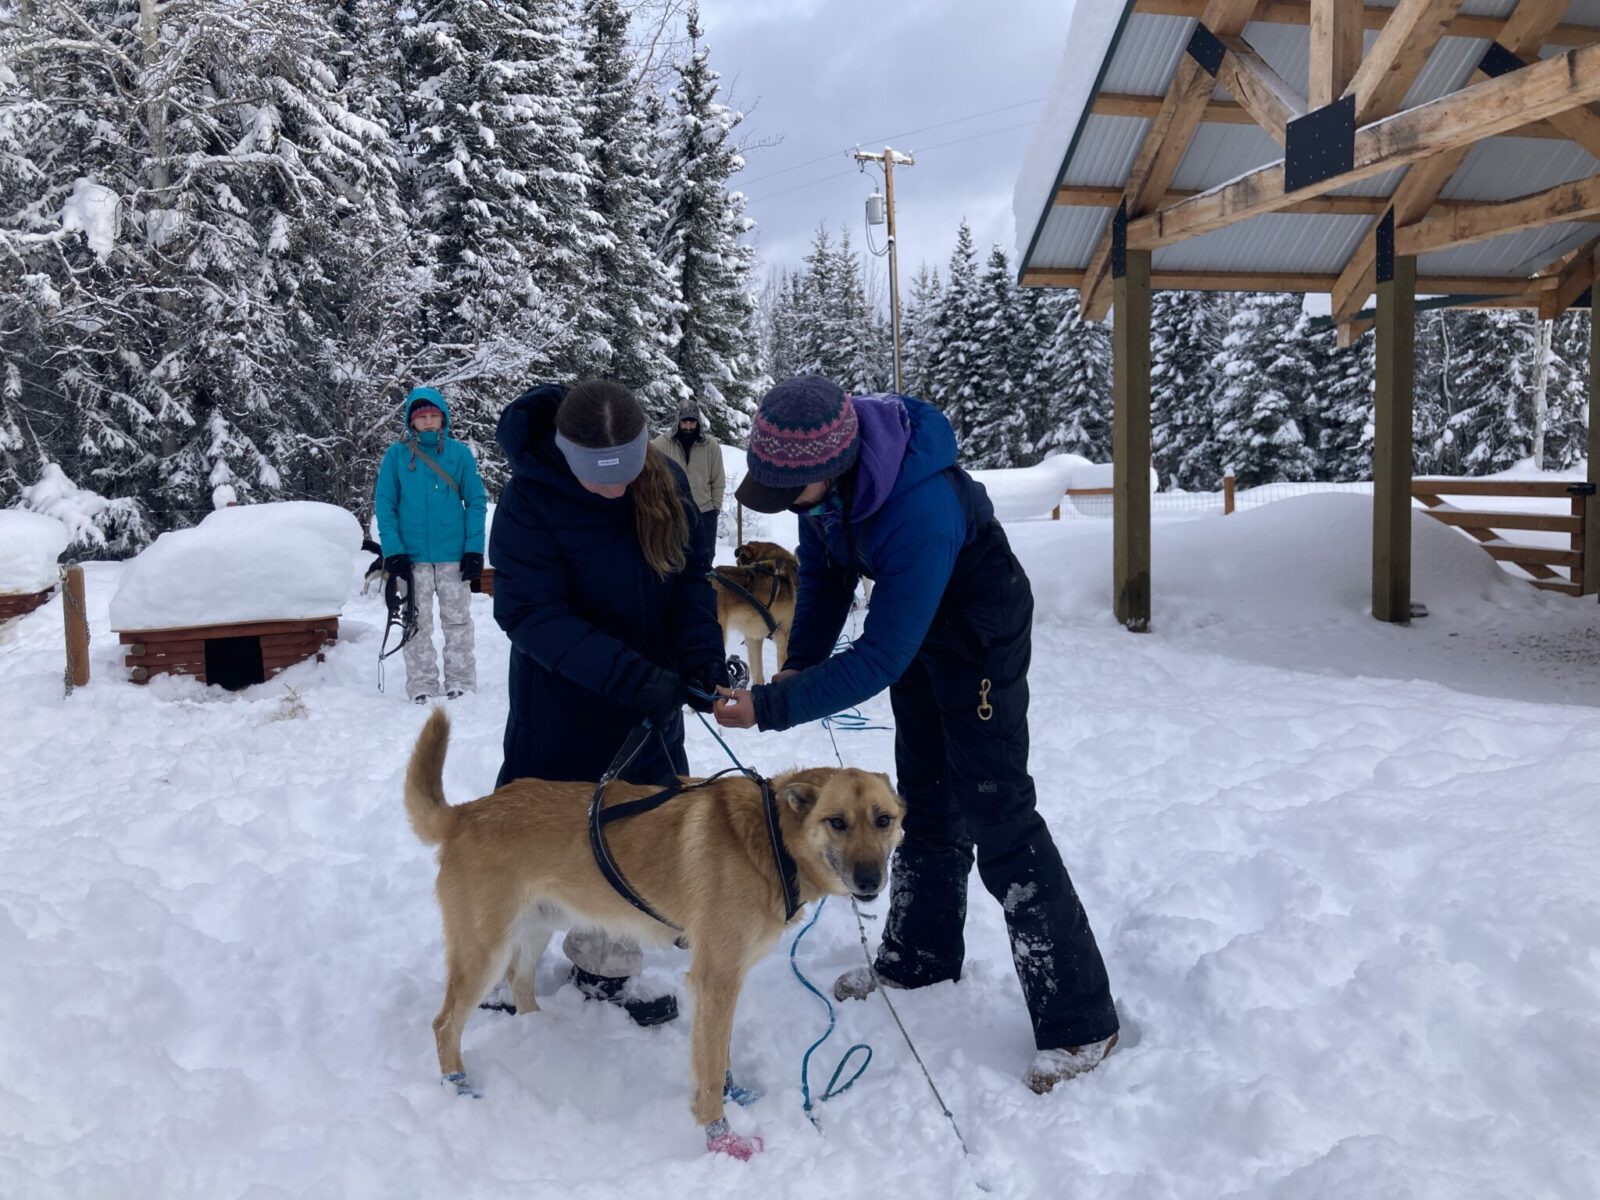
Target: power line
<point>890,137</point>
<point>800,187</point>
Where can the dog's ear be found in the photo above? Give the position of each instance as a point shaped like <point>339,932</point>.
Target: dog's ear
<point>799,796</point>
<point>887,782</point>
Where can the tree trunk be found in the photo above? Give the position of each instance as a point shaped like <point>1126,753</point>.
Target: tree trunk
<point>1541,380</point>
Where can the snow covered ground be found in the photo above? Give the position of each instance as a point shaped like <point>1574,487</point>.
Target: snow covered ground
<point>1343,874</point>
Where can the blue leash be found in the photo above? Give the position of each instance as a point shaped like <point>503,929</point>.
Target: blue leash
<point>834,1088</point>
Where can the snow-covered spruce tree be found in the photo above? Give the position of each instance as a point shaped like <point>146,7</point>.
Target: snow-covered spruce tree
<point>1341,402</point>
<point>1263,376</point>
<point>865,348</point>
<point>632,300</point>
<point>1493,420</point>
<point>1434,451</point>
<point>1075,382</point>
<point>498,189</point>
<point>1186,330</point>
<point>701,243</point>
<point>955,334</point>
<point>780,304</point>
<point>996,431</point>
<point>1035,317</point>
<point>918,335</point>
<point>816,350</point>
<point>1566,440</point>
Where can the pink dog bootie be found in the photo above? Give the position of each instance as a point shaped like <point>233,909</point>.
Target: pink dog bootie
<point>722,1140</point>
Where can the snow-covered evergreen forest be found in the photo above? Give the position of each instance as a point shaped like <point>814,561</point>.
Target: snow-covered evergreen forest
<point>233,236</point>
<point>1247,384</point>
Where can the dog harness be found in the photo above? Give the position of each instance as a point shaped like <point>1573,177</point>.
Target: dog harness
<point>600,817</point>
<point>764,609</point>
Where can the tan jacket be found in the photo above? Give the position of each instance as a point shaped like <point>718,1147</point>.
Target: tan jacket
<point>707,480</point>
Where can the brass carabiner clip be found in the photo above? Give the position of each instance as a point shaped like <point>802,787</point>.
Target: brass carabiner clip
<point>985,709</point>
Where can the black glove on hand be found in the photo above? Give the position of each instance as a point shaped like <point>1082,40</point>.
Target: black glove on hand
<point>471,566</point>
<point>398,564</point>
<point>707,679</point>
<point>662,695</point>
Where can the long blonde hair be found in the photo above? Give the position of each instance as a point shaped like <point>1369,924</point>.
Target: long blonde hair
<point>599,412</point>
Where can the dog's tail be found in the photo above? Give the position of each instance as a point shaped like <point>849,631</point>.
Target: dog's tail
<point>430,813</point>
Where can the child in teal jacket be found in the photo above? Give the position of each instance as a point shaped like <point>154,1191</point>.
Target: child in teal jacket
<point>431,505</point>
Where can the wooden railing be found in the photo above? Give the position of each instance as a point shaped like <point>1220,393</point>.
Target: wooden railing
<point>1541,562</point>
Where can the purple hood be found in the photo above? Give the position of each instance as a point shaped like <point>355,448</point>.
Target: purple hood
<point>885,434</point>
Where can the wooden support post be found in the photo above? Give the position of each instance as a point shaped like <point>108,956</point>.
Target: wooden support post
<point>1227,495</point>
<point>1130,439</point>
<point>1336,46</point>
<point>1391,446</point>
<point>1591,515</point>
<point>75,624</point>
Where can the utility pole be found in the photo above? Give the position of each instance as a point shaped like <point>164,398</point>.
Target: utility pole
<point>890,159</point>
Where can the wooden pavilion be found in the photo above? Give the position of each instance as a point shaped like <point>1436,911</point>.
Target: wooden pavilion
<point>1403,147</point>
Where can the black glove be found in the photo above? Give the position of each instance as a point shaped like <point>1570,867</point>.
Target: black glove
<point>398,564</point>
<point>471,566</point>
<point>707,679</point>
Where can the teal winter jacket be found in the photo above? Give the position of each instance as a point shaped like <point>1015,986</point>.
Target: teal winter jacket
<point>419,514</point>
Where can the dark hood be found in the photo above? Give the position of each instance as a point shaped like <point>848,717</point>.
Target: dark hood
<point>527,434</point>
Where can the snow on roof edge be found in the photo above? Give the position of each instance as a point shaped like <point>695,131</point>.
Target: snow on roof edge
<point>1092,36</point>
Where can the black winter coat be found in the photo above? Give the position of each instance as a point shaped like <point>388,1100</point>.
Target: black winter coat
<point>598,640</point>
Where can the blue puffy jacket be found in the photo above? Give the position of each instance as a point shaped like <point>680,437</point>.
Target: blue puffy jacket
<point>910,546</point>
<point>418,512</point>
<point>598,639</point>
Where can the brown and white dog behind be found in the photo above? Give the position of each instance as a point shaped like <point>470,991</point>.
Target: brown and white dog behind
<point>516,865</point>
<point>770,574</point>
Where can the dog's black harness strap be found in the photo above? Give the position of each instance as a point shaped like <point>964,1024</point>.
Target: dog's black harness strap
<point>598,817</point>
<point>766,612</point>
<point>788,873</point>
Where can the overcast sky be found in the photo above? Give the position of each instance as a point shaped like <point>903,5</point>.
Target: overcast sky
<point>818,76</point>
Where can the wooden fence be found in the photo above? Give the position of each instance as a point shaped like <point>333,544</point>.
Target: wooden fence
<point>1543,563</point>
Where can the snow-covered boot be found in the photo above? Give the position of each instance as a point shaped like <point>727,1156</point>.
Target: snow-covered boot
<point>625,994</point>
<point>1050,1067</point>
<point>722,1140</point>
<point>859,983</point>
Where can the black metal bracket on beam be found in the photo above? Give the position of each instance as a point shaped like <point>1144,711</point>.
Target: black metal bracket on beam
<point>1119,241</point>
<point>1320,145</point>
<point>1206,50</point>
<point>1386,247</point>
<point>1498,61</point>
<point>1586,300</point>
<point>1580,489</point>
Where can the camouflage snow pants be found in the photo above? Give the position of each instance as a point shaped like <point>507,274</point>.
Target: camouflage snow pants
<point>455,614</point>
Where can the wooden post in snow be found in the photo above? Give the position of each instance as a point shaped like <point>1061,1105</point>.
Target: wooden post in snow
<point>75,624</point>
<point>1227,495</point>
<point>1391,444</point>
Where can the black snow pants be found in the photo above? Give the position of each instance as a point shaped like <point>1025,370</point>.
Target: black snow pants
<point>961,751</point>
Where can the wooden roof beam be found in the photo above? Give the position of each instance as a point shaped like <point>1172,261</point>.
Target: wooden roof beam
<point>1292,281</point>
<point>1165,143</point>
<point>1403,46</point>
<point>1299,12</point>
<point>1452,122</point>
<point>1464,225</point>
<point>1529,27</point>
<point>1576,278</point>
<point>1336,48</point>
<point>1259,89</point>
<point>1086,196</point>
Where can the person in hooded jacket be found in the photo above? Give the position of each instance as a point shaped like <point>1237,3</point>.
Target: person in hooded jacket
<point>600,566</point>
<point>949,633</point>
<point>700,455</point>
<point>430,507</point>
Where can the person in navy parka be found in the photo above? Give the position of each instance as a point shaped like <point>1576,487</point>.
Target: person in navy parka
<point>949,633</point>
<point>601,566</point>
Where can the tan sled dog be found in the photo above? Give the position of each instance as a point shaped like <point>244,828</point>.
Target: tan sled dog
<point>771,574</point>
<point>517,865</point>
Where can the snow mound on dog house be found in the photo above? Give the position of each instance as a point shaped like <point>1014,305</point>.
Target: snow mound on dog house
<point>291,560</point>
<point>30,544</point>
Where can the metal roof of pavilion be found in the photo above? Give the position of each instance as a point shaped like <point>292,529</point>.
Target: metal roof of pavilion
<point>1092,148</point>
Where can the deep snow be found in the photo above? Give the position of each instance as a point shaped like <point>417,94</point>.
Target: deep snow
<point>1350,914</point>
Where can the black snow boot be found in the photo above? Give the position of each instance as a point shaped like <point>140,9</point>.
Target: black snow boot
<point>645,1010</point>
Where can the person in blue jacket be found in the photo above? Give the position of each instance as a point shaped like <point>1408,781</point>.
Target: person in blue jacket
<point>950,634</point>
<point>601,565</point>
<point>430,505</point>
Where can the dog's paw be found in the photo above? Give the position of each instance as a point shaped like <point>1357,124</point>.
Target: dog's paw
<point>458,1080</point>
<point>738,1094</point>
<point>722,1140</point>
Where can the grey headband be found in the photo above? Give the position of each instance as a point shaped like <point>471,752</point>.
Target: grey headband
<point>610,465</point>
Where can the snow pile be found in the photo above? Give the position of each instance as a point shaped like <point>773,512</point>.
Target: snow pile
<point>88,516</point>
<point>1022,492</point>
<point>92,210</point>
<point>30,544</point>
<point>1089,38</point>
<point>256,562</point>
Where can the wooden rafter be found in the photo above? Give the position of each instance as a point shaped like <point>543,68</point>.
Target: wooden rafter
<point>1467,224</point>
<point>1165,143</point>
<point>1297,281</point>
<point>1392,65</point>
<point>1229,112</point>
<point>1086,196</point>
<point>1574,279</point>
<point>1531,24</point>
<point>1336,45</point>
<point>1298,12</point>
<point>1452,122</point>
<point>1259,89</point>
